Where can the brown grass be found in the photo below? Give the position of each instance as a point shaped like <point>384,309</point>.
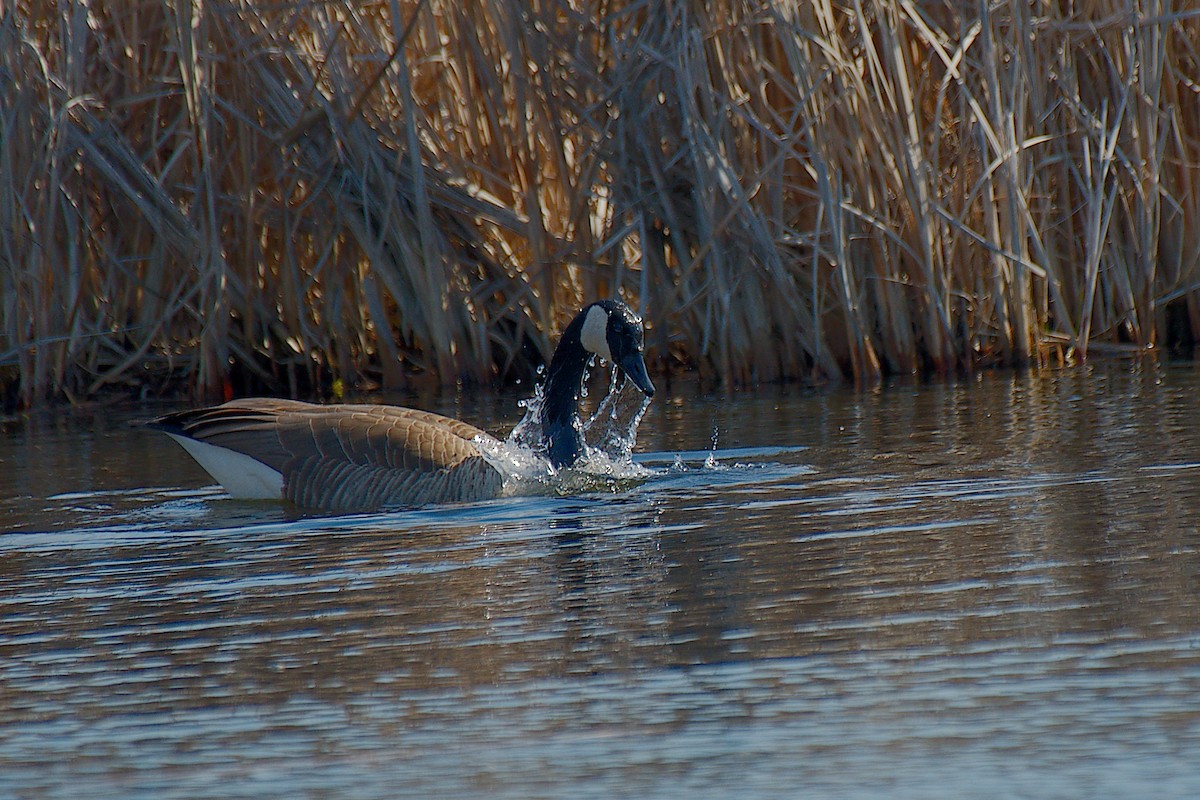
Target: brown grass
<point>242,196</point>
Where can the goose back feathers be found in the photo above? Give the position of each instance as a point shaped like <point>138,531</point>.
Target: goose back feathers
<point>343,456</point>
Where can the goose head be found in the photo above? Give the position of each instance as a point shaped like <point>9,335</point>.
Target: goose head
<point>608,329</point>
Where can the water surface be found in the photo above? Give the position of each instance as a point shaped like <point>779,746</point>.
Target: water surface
<point>988,588</point>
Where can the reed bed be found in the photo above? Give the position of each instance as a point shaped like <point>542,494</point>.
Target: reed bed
<point>303,196</point>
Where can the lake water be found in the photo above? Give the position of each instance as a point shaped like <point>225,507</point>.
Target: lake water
<point>985,589</point>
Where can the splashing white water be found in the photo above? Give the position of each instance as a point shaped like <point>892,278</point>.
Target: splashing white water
<point>711,461</point>
<point>609,437</point>
<point>612,429</point>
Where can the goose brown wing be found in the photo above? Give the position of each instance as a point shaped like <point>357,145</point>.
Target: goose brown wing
<point>349,456</point>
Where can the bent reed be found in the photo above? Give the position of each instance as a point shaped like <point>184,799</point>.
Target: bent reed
<point>243,196</point>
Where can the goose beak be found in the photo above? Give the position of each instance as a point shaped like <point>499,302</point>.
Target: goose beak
<point>634,366</point>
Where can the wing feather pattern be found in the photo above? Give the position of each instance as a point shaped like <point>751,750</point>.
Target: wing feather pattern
<point>349,457</point>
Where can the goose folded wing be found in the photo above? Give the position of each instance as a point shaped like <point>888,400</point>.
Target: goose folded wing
<point>350,457</point>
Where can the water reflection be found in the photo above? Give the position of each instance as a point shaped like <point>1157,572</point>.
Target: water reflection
<point>986,589</point>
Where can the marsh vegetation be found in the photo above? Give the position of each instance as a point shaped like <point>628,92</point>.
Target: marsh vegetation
<point>302,196</point>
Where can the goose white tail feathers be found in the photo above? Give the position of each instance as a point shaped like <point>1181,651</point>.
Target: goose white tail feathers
<point>359,457</point>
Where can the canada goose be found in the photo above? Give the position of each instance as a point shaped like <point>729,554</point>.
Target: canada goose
<point>360,457</point>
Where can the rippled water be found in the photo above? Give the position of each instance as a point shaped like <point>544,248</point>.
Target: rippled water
<point>983,589</point>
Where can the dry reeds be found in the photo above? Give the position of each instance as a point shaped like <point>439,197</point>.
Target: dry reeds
<point>236,195</point>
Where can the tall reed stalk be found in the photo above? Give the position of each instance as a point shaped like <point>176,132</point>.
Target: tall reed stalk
<point>236,196</point>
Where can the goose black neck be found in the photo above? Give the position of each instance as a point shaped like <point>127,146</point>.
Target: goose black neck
<point>561,434</point>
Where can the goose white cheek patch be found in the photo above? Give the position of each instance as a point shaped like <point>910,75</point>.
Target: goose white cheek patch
<point>594,335</point>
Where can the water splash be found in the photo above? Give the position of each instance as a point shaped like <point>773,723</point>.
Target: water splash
<point>612,429</point>
<point>609,437</point>
<point>711,461</point>
<point>527,434</point>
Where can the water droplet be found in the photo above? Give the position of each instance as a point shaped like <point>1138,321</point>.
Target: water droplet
<point>711,461</point>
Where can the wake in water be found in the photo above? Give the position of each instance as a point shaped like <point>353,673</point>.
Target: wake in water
<point>609,437</point>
